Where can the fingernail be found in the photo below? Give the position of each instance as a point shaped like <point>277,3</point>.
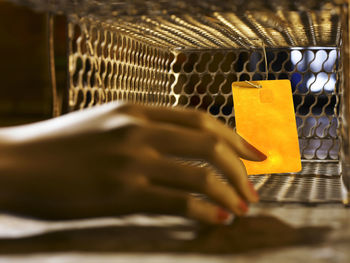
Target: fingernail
<point>243,206</point>
<point>253,191</point>
<point>261,155</point>
<point>224,217</point>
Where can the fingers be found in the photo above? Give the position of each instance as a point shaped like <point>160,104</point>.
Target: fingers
<point>206,212</point>
<point>234,169</point>
<point>146,199</point>
<point>200,121</point>
<point>195,179</point>
<point>155,199</point>
<point>178,141</point>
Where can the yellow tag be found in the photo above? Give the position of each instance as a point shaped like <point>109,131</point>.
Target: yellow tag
<point>265,118</point>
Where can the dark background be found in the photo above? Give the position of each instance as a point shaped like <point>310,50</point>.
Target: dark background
<point>25,89</point>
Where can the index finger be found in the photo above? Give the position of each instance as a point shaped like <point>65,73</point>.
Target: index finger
<point>199,120</point>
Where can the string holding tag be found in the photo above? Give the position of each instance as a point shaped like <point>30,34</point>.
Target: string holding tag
<point>265,117</point>
<point>253,85</point>
<point>265,58</point>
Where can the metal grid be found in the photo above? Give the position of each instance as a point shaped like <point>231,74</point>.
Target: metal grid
<point>189,52</point>
<point>233,30</point>
<point>192,62</point>
<point>110,63</point>
<point>106,64</point>
<point>211,23</point>
<point>203,80</point>
<point>298,188</point>
<point>317,183</point>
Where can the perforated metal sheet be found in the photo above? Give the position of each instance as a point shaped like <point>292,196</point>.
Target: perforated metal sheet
<point>108,63</point>
<point>266,15</point>
<point>203,80</point>
<point>317,183</point>
<point>105,65</point>
<point>298,188</point>
<point>210,23</point>
<point>188,53</point>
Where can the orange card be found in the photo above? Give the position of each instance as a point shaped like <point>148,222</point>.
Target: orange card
<point>265,118</point>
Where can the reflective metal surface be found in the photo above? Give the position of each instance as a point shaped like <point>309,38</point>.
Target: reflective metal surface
<point>188,53</point>
<point>209,23</point>
<point>299,188</point>
<point>107,63</point>
<point>192,61</point>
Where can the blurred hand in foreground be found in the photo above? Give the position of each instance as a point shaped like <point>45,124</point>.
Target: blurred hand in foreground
<point>117,159</point>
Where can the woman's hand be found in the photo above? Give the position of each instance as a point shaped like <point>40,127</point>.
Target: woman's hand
<point>116,159</point>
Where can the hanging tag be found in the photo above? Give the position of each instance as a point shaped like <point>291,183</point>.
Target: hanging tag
<point>265,117</point>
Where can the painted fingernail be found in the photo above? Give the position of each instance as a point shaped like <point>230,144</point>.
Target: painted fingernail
<point>224,217</point>
<point>243,206</point>
<point>260,155</point>
<point>253,191</point>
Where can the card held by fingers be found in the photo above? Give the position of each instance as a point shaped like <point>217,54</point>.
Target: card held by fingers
<point>265,118</point>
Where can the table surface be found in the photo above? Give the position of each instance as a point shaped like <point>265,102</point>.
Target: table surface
<point>270,233</point>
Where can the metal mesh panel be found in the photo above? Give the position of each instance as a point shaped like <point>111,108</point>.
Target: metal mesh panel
<point>318,182</point>
<point>107,63</point>
<point>222,21</point>
<point>203,80</point>
<point>234,30</point>
<point>192,61</point>
<point>298,188</point>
